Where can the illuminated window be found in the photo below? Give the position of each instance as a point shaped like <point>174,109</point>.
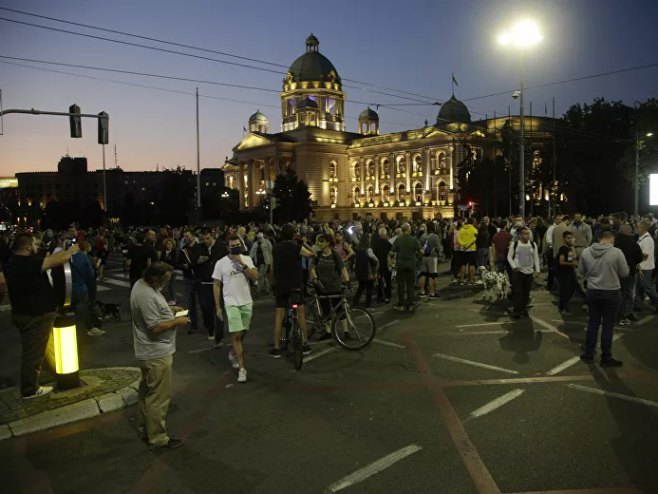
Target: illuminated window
<point>370,193</point>
<point>371,169</point>
<point>384,171</point>
<point>330,106</point>
<point>356,171</point>
<point>401,166</point>
<point>333,194</point>
<point>333,170</point>
<point>401,192</point>
<point>443,191</point>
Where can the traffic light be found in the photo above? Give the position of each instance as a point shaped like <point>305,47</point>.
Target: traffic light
<point>103,128</point>
<point>75,121</point>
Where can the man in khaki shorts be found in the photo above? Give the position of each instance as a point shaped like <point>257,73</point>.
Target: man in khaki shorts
<point>231,282</point>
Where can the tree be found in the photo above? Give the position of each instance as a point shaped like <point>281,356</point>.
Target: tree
<point>292,197</point>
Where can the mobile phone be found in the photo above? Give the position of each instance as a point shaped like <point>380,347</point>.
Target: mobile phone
<point>181,313</point>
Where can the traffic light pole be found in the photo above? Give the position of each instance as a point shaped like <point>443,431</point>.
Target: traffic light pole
<point>32,111</point>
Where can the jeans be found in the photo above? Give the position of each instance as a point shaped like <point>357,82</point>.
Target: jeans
<point>263,279</point>
<point>567,283</point>
<point>483,257</point>
<point>627,295</point>
<point>35,332</point>
<point>521,285</point>
<point>80,304</point>
<point>384,286</point>
<point>405,277</point>
<point>645,286</point>
<point>603,306</point>
<point>191,295</point>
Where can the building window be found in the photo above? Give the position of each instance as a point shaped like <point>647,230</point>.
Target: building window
<point>333,170</point>
<point>443,192</point>
<point>401,192</point>
<point>356,171</point>
<point>333,194</point>
<point>401,166</point>
<point>384,171</point>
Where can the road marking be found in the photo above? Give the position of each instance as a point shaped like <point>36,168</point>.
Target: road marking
<point>475,364</point>
<point>495,404</point>
<point>541,322</point>
<point>199,350</point>
<point>116,282</point>
<point>479,324</point>
<point>101,288</point>
<point>602,392</point>
<point>644,320</point>
<point>564,365</point>
<point>388,324</point>
<point>388,343</point>
<point>375,467</point>
<point>319,354</point>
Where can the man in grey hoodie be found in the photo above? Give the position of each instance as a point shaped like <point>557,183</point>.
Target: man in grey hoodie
<point>602,265</point>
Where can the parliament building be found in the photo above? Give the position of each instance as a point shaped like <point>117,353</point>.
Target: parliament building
<point>409,174</point>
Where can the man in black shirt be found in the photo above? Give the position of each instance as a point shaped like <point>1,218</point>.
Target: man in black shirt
<point>33,303</point>
<point>139,257</point>
<point>204,256</point>
<point>287,273</point>
<point>565,270</point>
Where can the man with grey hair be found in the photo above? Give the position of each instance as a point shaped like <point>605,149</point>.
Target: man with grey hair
<point>645,271</point>
<point>406,250</point>
<point>154,338</point>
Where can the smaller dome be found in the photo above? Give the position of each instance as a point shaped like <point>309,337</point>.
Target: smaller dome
<point>258,117</point>
<point>368,114</point>
<point>307,103</point>
<point>453,110</point>
<point>312,42</point>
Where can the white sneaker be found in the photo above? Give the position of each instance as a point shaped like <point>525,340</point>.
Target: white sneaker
<point>233,360</point>
<point>95,332</point>
<point>479,282</point>
<point>242,375</point>
<point>44,390</point>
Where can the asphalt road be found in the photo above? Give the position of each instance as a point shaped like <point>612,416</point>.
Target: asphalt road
<point>455,398</point>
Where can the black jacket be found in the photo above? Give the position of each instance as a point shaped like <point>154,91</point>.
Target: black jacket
<point>630,248</point>
<point>203,271</point>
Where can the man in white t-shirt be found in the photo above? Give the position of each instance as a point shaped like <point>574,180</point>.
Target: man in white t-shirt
<point>231,282</point>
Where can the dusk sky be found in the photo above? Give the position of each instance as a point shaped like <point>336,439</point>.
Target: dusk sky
<point>411,46</point>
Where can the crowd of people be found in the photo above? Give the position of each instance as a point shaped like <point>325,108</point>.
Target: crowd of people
<point>609,261</point>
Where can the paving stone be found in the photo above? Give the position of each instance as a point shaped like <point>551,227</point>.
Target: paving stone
<point>128,394</point>
<point>52,418</point>
<point>5,432</point>
<point>110,402</point>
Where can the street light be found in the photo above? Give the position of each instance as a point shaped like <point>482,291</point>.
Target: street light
<point>521,35</point>
<point>638,143</point>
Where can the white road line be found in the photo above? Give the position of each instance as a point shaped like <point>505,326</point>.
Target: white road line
<point>479,324</point>
<point>644,320</point>
<point>476,364</point>
<point>199,350</point>
<point>564,365</point>
<point>388,324</point>
<point>596,391</point>
<point>375,467</point>
<point>116,282</point>
<point>495,404</point>
<point>319,354</point>
<point>101,288</point>
<point>387,343</point>
<point>541,322</point>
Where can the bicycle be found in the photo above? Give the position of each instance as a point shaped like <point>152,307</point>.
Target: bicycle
<point>353,328</point>
<point>293,341</point>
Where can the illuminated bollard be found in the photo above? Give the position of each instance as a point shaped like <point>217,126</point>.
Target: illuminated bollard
<point>65,343</point>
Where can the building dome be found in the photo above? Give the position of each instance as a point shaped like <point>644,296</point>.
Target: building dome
<point>258,117</point>
<point>368,114</point>
<point>312,65</point>
<point>453,110</point>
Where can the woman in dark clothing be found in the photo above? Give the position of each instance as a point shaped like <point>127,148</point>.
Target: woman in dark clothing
<point>366,267</point>
<point>170,256</point>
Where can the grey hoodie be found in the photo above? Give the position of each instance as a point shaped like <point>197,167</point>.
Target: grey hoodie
<point>603,265</point>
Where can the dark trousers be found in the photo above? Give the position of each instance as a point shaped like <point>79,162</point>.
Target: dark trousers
<point>627,295</point>
<point>35,332</point>
<point>191,295</point>
<point>603,306</point>
<point>550,264</point>
<point>645,286</point>
<point>367,286</point>
<point>567,283</point>
<point>210,322</point>
<point>521,285</point>
<point>384,286</point>
<point>80,304</point>
<point>405,277</point>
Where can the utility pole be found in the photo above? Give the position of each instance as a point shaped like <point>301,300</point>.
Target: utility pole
<point>198,157</point>
<point>636,181</point>
<point>522,151</point>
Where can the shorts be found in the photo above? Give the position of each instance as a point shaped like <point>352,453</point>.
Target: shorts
<point>283,300</point>
<point>238,317</point>
<point>429,266</point>
<point>459,258</point>
<point>470,257</point>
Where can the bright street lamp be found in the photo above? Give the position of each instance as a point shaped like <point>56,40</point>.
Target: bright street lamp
<point>521,35</point>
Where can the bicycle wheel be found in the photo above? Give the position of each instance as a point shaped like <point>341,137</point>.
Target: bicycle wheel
<point>353,329</point>
<point>296,345</point>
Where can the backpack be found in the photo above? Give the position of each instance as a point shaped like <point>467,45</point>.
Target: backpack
<point>516,242</point>
<point>427,248</point>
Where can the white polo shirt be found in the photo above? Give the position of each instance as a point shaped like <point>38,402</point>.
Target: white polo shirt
<point>647,246</point>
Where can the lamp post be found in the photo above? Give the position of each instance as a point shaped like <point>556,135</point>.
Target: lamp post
<point>638,143</point>
<point>522,35</point>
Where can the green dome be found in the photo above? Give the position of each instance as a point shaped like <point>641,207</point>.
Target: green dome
<point>258,117</point>
<point>368,114</point>
<point>453,110</point>
<point>312,65</point>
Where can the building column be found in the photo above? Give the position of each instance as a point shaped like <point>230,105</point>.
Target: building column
<point>362,167</point>
<point>450,160</point>
<point>393,171</point>
<point>427,170</point>
<point>377,170</point>
<point>268,178</point>
<point>241,186</point>
<point>408,168</point>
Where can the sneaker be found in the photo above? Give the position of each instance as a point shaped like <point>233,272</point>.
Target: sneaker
<point>479,282</point>
<point>242,375</point>
<point>632,317</point>
<point>454,281</point>
<point>171,444</point>
<point>275,353</point>
<point>42,391</point>
<point>423,294</point>
<point>306,348</point>
<point>95,332</point>
<point>218,344</point>
<point>624,322</point>
<point>233,360</point>
<point>211,337</point>
<point>399,308</point>
<point>587,359</point>
<point>611,362</point>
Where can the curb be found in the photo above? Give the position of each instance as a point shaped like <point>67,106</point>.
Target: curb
<point>91,407</point>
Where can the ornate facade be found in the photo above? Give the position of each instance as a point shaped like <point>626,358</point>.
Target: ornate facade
<point>409,174</point>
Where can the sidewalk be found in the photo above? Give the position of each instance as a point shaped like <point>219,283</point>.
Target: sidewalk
<point>100,391</point>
